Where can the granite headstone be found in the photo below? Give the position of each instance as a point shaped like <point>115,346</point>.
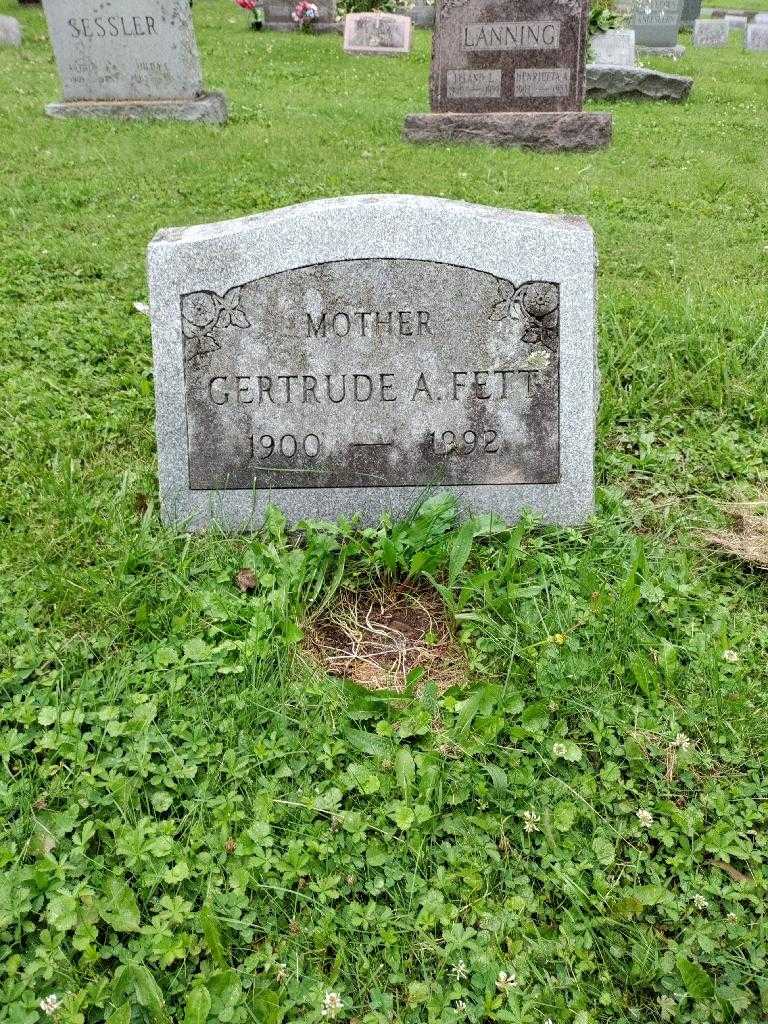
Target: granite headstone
<point>761,18</point>
<point>340,356</point>
<point>756,37</point>
<point>278,15</point>
<point>617,46</point>
<point>10,31</point>
<point>129,59</point>
<point>710,32</point>
<point>656,22</point>
<point>509,72</point>
<point>691,11</point>
<point>736,22</point>
<point>377,33</point>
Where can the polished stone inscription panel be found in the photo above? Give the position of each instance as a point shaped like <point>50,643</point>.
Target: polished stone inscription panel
<point>359,373</point>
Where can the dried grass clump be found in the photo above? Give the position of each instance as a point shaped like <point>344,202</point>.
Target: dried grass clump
<point>377,637</point>
<point>747,539</point>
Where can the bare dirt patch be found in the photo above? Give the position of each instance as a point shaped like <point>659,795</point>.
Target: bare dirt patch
<point>747,539</point>
<point>377,637</point>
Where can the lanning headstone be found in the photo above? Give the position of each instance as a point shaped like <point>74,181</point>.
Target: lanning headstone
<point>10,31</point>
<point>527,55</point>
<point>710,33</point>
<point>129,59</point>
<point>616,46</point>
<point>510,73</point>
<point>377,33</point>
<point>756,37</point>
<point>340,356</point>
<point>657,22</point>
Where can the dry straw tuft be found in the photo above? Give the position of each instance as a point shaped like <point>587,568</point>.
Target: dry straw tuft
<point>378,637</point>
<point>747,539</point>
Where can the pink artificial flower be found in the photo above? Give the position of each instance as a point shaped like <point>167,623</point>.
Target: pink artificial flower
<point>247,5</point>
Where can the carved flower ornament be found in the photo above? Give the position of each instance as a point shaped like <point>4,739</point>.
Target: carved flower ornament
<point>536,305</point>
<point>201,312</point>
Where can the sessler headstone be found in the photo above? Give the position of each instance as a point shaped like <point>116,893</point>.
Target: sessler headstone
<point>756,37</point>
<point>510,73</point>
<point>338,357</point>
<point>10,31</point>
<point>710,33</point>
<point>377,33</point>
<point>129,59</point>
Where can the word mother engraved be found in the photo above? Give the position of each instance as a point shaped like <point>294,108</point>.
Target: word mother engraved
<point>344,356</point>
<point>359,373</point>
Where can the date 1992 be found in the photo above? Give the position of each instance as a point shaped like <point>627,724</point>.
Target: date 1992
<point>450,443</point>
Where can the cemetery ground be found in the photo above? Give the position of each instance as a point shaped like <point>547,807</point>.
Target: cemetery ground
<point>561,816</point>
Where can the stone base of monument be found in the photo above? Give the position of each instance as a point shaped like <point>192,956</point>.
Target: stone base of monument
<point>547,131</point>
<point>675,52</point>
<point>317,27</point>
<point>211,107</point>
<point>608,81</point>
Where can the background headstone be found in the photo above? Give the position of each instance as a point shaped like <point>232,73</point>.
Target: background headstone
<point>710,33</point>
<point>617,46</point>
<point>10,31</point>
<point>510,75</point>
<point>691,11</point>
<point>337,357</point>
<point>131,57</point>
<point>377,33</point>
<point>756,37</point>
<point>278,16</point>
<point>656,22</point>
<point>422,15</point>
<point>736,22</point>
<point>761,18</point>
<point>488,56</point>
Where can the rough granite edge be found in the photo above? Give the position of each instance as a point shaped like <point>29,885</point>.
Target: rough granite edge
<point>606,81</point>
<point>397,200</point>
<point>545,131</point>
<point>210,107</point>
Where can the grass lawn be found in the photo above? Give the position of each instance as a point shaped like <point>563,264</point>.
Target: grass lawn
<point>200,824</point>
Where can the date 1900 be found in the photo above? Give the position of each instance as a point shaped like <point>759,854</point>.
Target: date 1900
<point>450,443</point>
<point>265,446</point>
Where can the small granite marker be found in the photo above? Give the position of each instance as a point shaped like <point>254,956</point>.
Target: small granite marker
<point>278,16</point>
<point>377,33</point>
<point>616,46</point>
<point>656,24</point>
<point>338,357</point>
<point>10,31</point>
<point>510,74</point>
<point>129,59</point>
<point>710,33</point>
<point>756,38</point>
